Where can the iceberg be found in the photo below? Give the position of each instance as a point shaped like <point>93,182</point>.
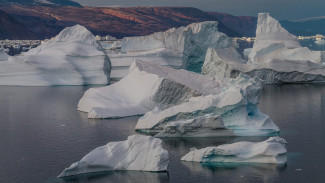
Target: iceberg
<point>219,64</point>
<point>73,57</point>
<point>138,152</point>
<point>147,85</point>
<point>231,112</point>
<point>272,150</point>
<point>183,47</point>
<point>320,42</point>
<point>276,57</point>
<point>274,42</point>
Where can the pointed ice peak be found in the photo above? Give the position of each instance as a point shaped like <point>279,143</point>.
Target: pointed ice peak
<point>269,29</point>
<point>77,32</point>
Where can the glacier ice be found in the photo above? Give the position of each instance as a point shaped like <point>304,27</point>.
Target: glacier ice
<point>276,57</point>
<point>272,150</point>
<point>138,152</point>
<point>147,85</point>
<point>231,112</point>
<point>183,47</point>
<point>274,42</point>
<point>73,57</point>
<point>218,64</point>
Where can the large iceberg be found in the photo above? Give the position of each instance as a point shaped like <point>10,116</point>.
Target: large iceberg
<point>73,57</point>
<point>274,42</point>
<point>183,47</point>
<point>230,112</point>
<point>276,57</point>
<point>272,150</point>
<point>219,63</point>
<point>147,86</point>
<point>138,152</point>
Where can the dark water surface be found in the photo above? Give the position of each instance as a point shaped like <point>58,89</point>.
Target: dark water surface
<point>41,133</point>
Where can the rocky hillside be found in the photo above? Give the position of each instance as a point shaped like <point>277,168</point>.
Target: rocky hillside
<point>10,28</point>
<point>47,21</point>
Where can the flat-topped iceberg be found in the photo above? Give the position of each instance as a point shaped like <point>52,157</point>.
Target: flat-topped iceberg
<point>138,152</point>
<point>73,57</point>
<point>219,64</point>
<point>183,47</point>
<point>276,57</point>
<point>272,150</point>
<point>231,112</point>
<point>147,86</point>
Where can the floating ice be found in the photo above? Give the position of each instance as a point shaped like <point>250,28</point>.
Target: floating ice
<point>73,57</point>
<point>218,64</point>
<point>138,152</point>
<point>233,111</point>
<point>276,57</point>
<point>184,47</point>
<point>147,86</point>
<point>272,150</point>
<point>273,42</point>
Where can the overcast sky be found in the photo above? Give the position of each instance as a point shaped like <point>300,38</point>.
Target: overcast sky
<point>281,9</point>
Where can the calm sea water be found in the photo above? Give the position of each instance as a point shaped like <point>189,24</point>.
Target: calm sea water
<point>41,133</point>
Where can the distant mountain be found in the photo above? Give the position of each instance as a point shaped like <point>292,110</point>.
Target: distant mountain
<point>10,28</point>
<point>44,19</point>
<point>47,21</point>
<point>244,25</point>
<point>305,27</point>
<point>40,2</point>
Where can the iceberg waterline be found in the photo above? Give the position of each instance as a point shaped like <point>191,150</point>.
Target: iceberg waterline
<point>272,150</point>
<point>232,112</point>
<point>138,152</point>
<point>73,57</point>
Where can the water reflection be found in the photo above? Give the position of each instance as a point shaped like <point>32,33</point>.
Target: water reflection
<point>248,172</point>
<point>41,133</point>
<point>119,176</point>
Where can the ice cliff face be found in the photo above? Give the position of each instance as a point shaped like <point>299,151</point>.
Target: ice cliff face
<point>138,152</point>
<point>276,57</point>
<point>274,42</point>
<point>273,150</point>
<point>233,111</point>
<point>73,57</point>
<point>184,47</point>
<point>147,86</point>
<point>220,64</point>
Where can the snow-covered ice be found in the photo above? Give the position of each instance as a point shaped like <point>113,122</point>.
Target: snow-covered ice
<point>273,42</point>
<point>146,86</point>
<point>232,111</point>
<point>138,152</point>
<point>219,64</point>
<point>183,47</point>
<point>276,57</point>
<point>73,57</point>
<point>272,150</point>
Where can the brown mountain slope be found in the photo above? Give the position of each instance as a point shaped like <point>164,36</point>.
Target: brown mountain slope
<point>119,22</point>
<point>10,28</point>
<point>245,25</point>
